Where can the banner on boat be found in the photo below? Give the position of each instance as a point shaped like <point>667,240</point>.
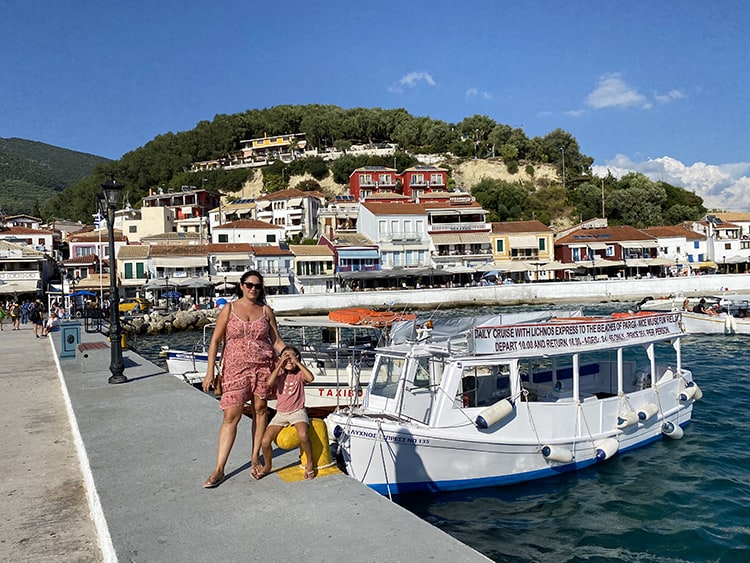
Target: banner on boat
<point>576,335</point>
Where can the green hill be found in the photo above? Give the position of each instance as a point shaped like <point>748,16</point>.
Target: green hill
<point>32,172</point>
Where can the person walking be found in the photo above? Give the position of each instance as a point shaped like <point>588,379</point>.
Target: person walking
<point>15,315</point>
<point>36,316</point>
<point>247,328</point>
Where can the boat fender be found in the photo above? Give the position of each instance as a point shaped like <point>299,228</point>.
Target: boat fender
<point>557,453</point>
<point>688,393</point>
<point>627,419</point>
<point>606,448</point>
<point>672,430</point>
<point>648,411</point>
<point>494,414</point>
<point>698,395</point>
<point>730,325</point>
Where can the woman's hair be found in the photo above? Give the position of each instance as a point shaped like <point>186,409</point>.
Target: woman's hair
<point>261,296</point>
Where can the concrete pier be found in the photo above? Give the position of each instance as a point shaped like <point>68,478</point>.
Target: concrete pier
<point>100,472</point>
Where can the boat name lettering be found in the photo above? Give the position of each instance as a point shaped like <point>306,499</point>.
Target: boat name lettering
<point>389,437</point>
<point>338,392</point>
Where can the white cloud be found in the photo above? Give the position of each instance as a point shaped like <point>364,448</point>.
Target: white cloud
<point>474,92</point>
<point>412,80</point>
<point>612,91</point>
<point>722,186</point>
<point>669,96</point>
<point>574,112</point>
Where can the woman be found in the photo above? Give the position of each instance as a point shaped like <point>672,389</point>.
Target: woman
<point>251,339</point>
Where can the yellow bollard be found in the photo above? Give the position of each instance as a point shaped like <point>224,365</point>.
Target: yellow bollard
<point>322,461</point>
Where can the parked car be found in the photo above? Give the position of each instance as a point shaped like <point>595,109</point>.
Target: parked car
<point>135,305</point>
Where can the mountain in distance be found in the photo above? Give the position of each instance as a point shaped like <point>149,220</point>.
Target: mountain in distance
<point>32,172</point>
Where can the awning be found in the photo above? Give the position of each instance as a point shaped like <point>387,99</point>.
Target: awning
<point>639,244</point>
<point>736,259</point>
<point>523,241</point>
<point>513,266</point>
<point>599,263</point>
<point>95,281</point>
<point>706,265</point>
<point>179,261</point>
<point>453,238</point>
<point>597,245</point>
<point>474,238</point>
<point>358,254</point>
<point>9,288</point>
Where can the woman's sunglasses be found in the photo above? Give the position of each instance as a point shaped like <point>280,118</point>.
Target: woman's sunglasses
<point>251,285</point>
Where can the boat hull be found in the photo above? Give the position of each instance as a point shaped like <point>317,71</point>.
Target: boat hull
<point>699,323</point>
<point>393,458</point>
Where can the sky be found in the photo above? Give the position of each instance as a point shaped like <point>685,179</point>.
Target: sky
<point>654,87</point>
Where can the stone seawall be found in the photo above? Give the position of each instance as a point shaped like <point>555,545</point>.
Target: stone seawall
<point>543,294</point>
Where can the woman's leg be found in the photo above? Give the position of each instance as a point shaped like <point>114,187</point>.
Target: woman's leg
<point>227,434</point>
<point>260,420</point>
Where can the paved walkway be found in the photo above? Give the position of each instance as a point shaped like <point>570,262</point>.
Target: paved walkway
<point>43,511</point>
<point>147,445</point>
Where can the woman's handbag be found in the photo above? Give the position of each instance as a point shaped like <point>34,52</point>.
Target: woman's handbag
<point>217,380</point>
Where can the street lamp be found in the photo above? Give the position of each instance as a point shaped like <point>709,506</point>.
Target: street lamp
<point>109,198</point>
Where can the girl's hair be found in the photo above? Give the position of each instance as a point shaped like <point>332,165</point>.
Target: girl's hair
<point>261,296</point>
<point>292,348</point>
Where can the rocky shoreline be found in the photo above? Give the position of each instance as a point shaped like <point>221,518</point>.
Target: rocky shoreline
<point>158,323</point>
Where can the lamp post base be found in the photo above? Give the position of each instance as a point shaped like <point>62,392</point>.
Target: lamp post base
<point>117,379</point>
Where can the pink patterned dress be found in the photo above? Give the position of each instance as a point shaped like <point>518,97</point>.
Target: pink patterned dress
<point>248,359</point>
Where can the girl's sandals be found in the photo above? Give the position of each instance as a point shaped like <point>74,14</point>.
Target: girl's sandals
<point>258,472</point>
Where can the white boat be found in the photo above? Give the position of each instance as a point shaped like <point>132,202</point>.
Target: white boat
<point>724,323</point>
<point>676,301</point>
<point>339,355</point>
<point>515,402</point>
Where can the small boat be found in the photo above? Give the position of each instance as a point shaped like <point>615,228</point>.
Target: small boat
<point>340,356</point>
<point>727,322</point>
<point>501,404</point>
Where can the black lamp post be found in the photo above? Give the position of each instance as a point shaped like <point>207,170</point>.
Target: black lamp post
<point>109,199</point>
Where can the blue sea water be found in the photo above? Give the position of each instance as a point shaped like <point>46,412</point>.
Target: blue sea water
<point>683,500</point>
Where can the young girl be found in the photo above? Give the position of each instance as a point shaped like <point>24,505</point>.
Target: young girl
<point>290,377</point>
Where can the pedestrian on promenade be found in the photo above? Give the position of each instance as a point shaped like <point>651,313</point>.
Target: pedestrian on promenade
<point>289,377</point>
<point>25,311</point>
<point>15,315</point>
<point>251,338</point>
<point>3,314</point>
<point>36,316</point>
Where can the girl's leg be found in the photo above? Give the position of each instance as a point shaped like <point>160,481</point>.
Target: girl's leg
<point>227,434</point>
<point>260,420</point>
<point>306,446</point>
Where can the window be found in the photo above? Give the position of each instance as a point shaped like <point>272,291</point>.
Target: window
<point>610,250</point>
<point>128,271</point>
<point>576,253</point>
<point>223,238</point>
<point>133,229</point>
<point>140,270</point>
<point>270,238</point>
<point>696,244</point>
<point>499,245</point>
<point>386,376</point>
<point>542,244</point>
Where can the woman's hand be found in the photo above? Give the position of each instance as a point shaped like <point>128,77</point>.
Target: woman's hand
<point>207,383</point>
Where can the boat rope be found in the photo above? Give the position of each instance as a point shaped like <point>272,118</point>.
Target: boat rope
<point>582,417</point>
<point>381,440</point>
<point>525,399</point>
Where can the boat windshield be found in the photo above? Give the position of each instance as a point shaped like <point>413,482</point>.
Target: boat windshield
<point>386,376</point>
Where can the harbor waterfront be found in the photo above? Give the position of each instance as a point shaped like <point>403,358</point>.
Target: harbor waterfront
<point>512,294</point>
<point>669,501</point>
